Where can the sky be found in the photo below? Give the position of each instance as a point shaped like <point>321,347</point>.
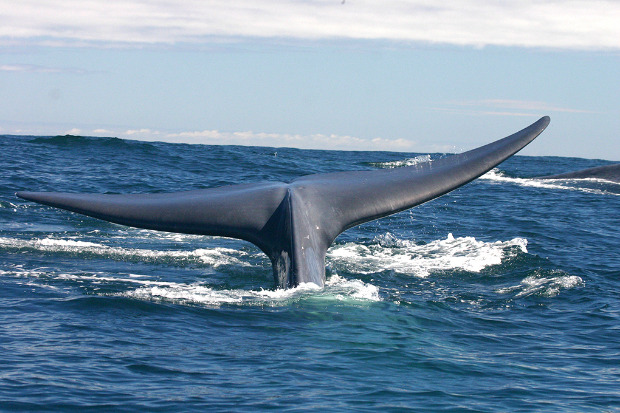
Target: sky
<point>399,75</point>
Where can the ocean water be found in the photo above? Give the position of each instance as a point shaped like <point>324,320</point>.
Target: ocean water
<point>503,295</point>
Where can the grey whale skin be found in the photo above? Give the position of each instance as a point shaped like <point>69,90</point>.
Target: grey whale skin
<point>294,223</point>
<point>607,172</point>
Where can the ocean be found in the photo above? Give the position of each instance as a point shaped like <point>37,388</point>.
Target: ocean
<point>503,295</point>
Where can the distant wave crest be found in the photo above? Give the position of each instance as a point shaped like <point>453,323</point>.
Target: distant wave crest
<point>563,184</point>
<point>405,162</point>
<point>75,141</point>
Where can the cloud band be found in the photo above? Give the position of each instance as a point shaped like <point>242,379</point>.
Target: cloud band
<point>576,24</point>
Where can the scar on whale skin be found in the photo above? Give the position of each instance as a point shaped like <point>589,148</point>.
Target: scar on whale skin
<point>294,223</point>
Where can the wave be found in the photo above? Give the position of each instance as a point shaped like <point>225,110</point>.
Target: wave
<point>563,184</point>
<point>142,287</point>
<point>405,162</point>
<point>212,257</point>
<point>73,141</point>
<point>8,205</point>
<point>387,252</point>
<point>336,288</point>
<point>48,274</point>
<point>546,285</point>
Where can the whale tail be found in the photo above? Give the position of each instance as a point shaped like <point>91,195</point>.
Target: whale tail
<point>295,223</point>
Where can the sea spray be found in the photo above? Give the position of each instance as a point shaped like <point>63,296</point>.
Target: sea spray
<point>388,252</point>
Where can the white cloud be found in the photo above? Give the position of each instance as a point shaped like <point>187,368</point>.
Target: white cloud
<point>313,141</point>
<point>506,107</point>
<point>571,24</point>
<point>140,132</point>
<point>38,69</point>
<point>99,132</point>
<point>522,105</point>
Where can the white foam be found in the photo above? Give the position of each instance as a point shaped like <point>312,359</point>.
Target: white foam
<point>547,286</point>
<point>143,287</point>
<point>214,257</point>
<point>563,184</point>
<point>336,288</point>
<point>97,278</point>
<point>48,274</point>
<point>9,205</point>
<point>407,257</point>
<point>66,244</point>
<point>405,162</point>
<point>343,289</point>
<point>172,236</point>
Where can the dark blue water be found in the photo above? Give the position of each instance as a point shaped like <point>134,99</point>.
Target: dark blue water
<point>501,296</point>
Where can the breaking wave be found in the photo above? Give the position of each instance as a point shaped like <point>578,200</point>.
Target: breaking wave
<point>546,285</point>
<point>213,257</point>
<point>336,288</point>
<point>405,162</point>
<point>387,252</point>
<point>384,252</point>
<point>143,287</point>
<point>562,184</point>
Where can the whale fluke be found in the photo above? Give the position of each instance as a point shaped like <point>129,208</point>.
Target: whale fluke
<point>294,223</point>
<point>607,172</point>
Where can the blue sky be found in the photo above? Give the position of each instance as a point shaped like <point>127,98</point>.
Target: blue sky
<point>394,75</point>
